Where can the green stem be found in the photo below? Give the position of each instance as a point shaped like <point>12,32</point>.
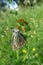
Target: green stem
<point>17,52</point>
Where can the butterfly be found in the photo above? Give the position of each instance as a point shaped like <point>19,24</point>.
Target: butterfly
<point>18,39</point>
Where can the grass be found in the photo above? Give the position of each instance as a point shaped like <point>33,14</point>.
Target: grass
<point>32,52</point>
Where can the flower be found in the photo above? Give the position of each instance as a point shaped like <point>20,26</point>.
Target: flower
<point>24,51</point>
<point>33,49</point>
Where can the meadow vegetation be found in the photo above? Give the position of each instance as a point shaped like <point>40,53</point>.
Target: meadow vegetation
<point>32,52</point>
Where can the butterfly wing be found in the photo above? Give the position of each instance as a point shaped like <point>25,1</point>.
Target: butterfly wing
<point>22,39</point>
<point>14,42</point>
<point>18,41</point>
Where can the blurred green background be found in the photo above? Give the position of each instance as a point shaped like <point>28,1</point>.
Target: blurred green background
<point>32,52</point>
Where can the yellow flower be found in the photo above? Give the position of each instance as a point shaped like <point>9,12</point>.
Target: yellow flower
<point>24,51</point>
<point>33,49</point>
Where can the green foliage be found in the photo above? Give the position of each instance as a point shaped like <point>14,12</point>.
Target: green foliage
<point>32,52</point>
<point>10,1</point>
